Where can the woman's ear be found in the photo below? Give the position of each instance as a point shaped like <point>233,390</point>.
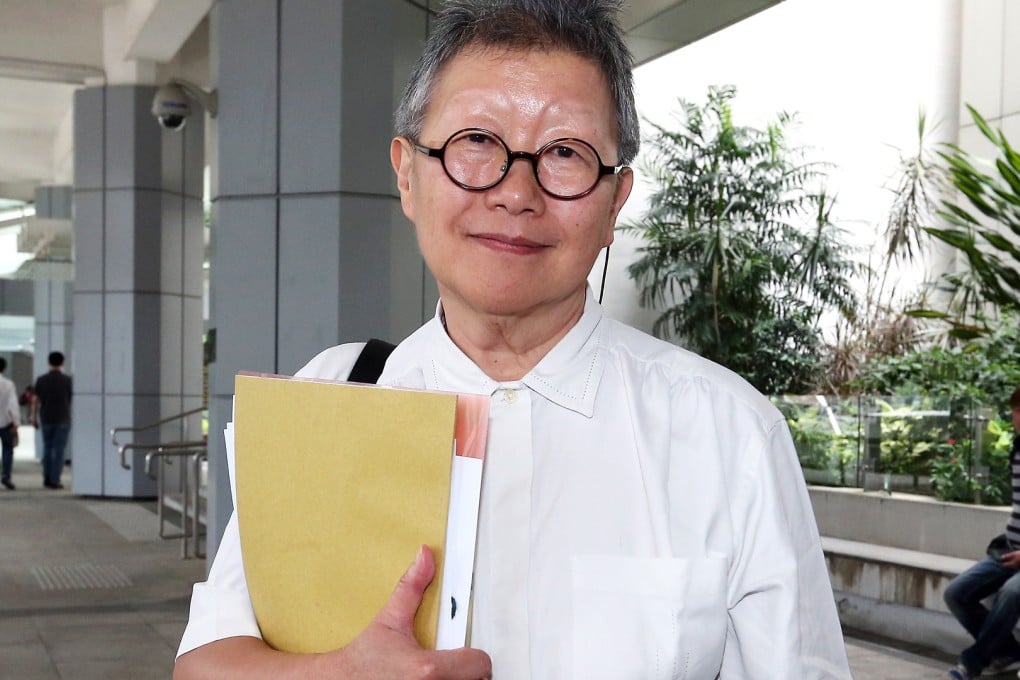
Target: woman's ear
<point>624,184</point>
<point>401,155</point>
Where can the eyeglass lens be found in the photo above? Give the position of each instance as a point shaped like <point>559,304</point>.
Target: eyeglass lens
<point>478,159</point>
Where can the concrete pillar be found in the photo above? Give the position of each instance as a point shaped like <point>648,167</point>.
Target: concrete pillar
<point>53,307</point>
<point>308,246</point>
<point>138,233</point>
<point>16,304</point>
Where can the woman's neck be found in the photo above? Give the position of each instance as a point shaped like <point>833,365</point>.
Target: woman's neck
<point>507,346</point>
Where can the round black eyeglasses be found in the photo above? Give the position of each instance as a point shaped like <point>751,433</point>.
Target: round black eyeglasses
<point>477,159</point>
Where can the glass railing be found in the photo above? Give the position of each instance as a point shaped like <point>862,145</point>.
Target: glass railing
<point>954,449</point>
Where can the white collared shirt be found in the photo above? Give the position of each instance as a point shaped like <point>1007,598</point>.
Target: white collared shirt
<point>10,411</point>
<point>643,516</point>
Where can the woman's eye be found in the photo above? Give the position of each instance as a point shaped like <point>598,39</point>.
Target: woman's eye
<point>478,138</point>
<point>564,152</point>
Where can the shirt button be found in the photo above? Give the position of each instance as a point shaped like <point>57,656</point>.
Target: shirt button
<point>510,396</point>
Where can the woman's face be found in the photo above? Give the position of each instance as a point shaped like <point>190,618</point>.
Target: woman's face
<point>512,249</point>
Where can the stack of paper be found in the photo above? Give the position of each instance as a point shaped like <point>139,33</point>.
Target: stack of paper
<point>337,486</point>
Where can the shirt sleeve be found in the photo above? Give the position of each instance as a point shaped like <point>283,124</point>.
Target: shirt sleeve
<point>221,606</point>
<point>13,408</point>
<point>782,619</point>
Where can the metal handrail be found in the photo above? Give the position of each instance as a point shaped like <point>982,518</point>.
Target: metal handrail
<point>165,446</point>
<point>114,431</point>
<point>190,479</point>
<point>169,452</point>
<point>190,509</point>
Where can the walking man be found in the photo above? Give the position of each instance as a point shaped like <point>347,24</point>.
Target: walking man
<point>9,421</point>
<point>52,408</point>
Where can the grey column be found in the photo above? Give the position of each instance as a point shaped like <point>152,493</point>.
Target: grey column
<point>53,307</point>
<point>17,299</point>
<point>309,247</point>
<point>138,233</point>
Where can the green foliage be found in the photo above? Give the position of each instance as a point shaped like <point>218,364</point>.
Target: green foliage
<point>964,379</point>
<point>822,444</point>
<point>985,370</point>
<point>906,445</point>
<point>904,432</point>
<point>997,441</point>
<point>919,182</point>
<point>993,256</point>
<point>739,278</point>
<point>950,475</point>
<point>954,476</point>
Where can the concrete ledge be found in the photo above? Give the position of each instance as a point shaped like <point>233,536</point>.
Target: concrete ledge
<point>880,554</point>
<point>895,592</point>
<point>892,575</point>
<point>907,521</point>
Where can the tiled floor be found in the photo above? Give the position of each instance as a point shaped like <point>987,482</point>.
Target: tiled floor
<point>87,589</point>
<point>870,660</point>
<point>89,592</point>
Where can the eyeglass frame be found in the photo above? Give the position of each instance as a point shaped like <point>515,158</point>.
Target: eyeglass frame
<point>511,156</point>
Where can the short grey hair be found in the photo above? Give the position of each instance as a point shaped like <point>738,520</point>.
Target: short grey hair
<point>588,28</point>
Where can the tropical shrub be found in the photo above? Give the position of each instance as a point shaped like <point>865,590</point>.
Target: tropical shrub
<point>985,370</point>
<point>985,227</point>
<point>824,433</point>
<point>740,255</point>
<point>951,477</point>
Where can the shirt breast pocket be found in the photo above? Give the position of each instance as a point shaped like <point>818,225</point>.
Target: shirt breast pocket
<point>648,619</point>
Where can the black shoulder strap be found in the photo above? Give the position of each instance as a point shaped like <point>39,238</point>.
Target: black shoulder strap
<point>371,361</point>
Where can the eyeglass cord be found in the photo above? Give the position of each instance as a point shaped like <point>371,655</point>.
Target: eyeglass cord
<point>605,268</point>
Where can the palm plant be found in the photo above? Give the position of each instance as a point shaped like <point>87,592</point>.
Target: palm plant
<point>919,183</point>
<point>982,226</point>
<point>740,253</point>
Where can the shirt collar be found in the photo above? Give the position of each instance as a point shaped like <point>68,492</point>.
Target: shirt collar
<point>569,375</point>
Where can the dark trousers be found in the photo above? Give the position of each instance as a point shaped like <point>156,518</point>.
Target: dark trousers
<point>7,455</point>
<point>992,629</point>
<point>54,443</point>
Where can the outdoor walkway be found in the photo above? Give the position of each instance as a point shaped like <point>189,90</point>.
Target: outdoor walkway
<point>88,591</point>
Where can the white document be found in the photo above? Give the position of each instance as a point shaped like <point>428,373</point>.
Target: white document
<point>228,440</point>
<point>461,531</point>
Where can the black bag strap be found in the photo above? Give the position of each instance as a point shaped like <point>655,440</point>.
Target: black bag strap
<point>371,361</point>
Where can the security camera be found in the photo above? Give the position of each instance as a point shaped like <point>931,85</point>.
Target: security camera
<point>171,107</point>
<point>172,103</point>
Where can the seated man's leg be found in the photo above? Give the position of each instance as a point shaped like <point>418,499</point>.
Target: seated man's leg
<point>964,593</point>
<point>995,639</point>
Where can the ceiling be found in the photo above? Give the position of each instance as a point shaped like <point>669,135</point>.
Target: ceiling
<point>48,48</point>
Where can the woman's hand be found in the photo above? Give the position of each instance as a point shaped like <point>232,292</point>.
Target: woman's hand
<point>385,650</point>
<point>387,647</point>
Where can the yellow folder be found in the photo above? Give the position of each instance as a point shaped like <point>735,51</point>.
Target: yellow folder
<point>338,485</point>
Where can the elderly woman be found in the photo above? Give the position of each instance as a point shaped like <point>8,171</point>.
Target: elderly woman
<point>643,513</point>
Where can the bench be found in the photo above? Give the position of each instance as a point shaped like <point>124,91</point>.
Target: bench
<point>891,556</point>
